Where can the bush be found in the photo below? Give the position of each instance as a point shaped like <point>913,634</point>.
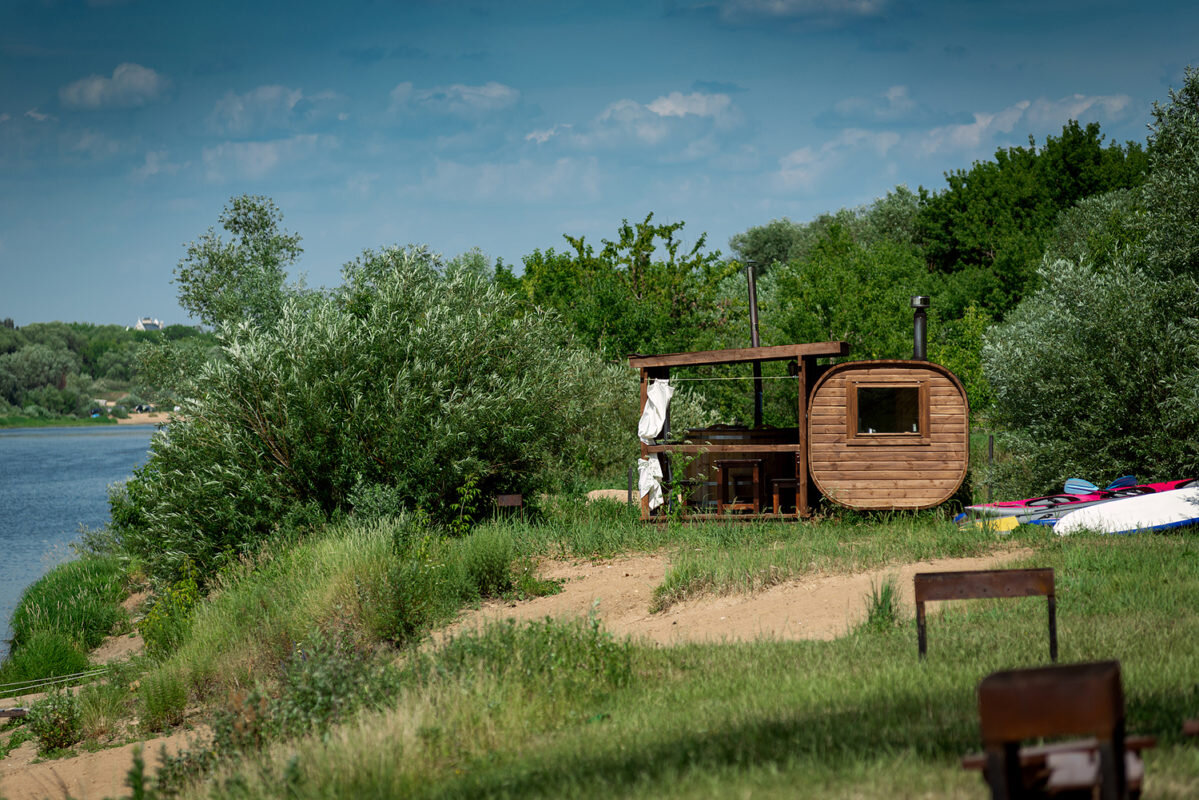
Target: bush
<point>405,378</point>
<point>167,621</point>
<point>1089,377</point>
<point>55,722</point>
<point>488,554</point>
<point>163,700</point>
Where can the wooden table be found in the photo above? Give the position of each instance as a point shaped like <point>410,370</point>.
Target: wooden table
<point>1071,766</point>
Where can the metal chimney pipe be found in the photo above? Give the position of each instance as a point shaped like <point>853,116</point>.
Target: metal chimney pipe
<point>920,328</point>
<point>755,341</point>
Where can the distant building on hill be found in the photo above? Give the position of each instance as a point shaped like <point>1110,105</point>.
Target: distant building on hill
<point>148,324</point>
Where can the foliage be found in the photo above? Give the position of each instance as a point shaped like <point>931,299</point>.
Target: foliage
<point>957,345</point>
<point>1087,375</point>
<point>167,621</point>
<point>54,720</point>
<point>640,293</point>
<point>405,377</point>
<point>988,228</point>
<point>851,292</point>
<point>883,610</point>
<point>488,557</point>
<point>163,696</point>
<point>1171,195</point>
<point>243,280</point>
<point>1097,373</point>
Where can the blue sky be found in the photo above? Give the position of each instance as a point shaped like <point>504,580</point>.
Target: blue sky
<point>126,126</point>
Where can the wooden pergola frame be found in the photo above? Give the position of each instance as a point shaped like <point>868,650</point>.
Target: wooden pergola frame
<point>656,367</point>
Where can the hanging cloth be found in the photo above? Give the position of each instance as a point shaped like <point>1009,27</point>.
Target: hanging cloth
<point>649,480</point>
<point>657,400</point>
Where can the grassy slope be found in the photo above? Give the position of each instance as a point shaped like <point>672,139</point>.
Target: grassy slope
<point>855,717</point>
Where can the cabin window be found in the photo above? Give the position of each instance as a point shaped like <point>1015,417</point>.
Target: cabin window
<point>887,413</point>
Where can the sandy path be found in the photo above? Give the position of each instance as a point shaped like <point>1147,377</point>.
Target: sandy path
<point>83,777</point>
<point>620,591</point>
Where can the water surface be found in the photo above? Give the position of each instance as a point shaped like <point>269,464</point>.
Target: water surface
<point>52,481</point>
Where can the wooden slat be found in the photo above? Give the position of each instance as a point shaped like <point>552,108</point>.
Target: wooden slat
<point>781,352</point>
<point>724,448</point>
<point>865,476</point>
<point>983,584</point>
<point>911,486</point>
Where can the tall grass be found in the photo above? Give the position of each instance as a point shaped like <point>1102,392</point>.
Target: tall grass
<point>62,616</point>
<point>859,716</point>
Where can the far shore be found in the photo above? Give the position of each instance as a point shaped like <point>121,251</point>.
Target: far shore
<point>144,418</point>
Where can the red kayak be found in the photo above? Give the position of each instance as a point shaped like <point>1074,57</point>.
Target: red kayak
<point>1048,509</point>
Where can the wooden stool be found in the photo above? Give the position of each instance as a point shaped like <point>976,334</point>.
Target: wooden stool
<point>724,469</point>
<point>781,483</point>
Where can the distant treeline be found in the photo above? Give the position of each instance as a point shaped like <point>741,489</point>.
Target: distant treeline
<point>50,369</point>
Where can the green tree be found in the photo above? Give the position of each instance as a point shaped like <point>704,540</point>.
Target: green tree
<point>408,380</point>
<point>242,280</point>
<point>988,229</point>
<point>1171,196</point>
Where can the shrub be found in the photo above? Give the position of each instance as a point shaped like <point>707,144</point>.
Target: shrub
<point>487,555</point>
<point>163,700</point>
<point>405,378</point>
<point>55,721</point>
<point>167,621</point>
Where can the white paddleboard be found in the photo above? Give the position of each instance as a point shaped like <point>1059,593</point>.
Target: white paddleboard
<point>1149,512</point>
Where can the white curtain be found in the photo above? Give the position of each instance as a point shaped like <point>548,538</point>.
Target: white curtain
<point>649,480</point>
<point>657,400</point>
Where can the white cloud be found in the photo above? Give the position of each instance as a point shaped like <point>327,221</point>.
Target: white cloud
<point>801,8</point>
<point>523,181</point>
<point>1045,113</point>
<point>267,108</point>
<point>4,118</point>
<point>677,104</point>
<point>676,116</point>
<point>457,99</point>
<point>1030,116</point>
<point>130,85</point>
<point>156,163</point>
<point>804,168</point>
<point>37,116</point>
<point>255,159</point>
<point>543,136</point>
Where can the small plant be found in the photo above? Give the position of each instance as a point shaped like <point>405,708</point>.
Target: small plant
<point>466,507</point>
<point>487,555</point>
<point>55,722</point>
<point>168,620</point>
<point>164,699</point>
<point>527,585</point>
<point>883,612</point>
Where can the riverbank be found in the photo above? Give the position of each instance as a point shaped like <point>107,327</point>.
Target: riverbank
<point>53,422</point>
<point>150,418</point>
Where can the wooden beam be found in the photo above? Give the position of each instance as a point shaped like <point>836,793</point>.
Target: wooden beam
<point>782,352</point>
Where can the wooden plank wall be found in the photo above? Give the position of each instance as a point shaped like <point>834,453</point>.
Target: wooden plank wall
<point>902,475</point>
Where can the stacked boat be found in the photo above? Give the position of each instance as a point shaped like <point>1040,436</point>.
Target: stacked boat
<point>1123,506</point>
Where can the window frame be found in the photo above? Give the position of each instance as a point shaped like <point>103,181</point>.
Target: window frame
<point>853,437</point>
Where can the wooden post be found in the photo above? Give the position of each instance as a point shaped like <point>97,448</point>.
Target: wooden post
<point>644,446</point>
<point>801,458</point>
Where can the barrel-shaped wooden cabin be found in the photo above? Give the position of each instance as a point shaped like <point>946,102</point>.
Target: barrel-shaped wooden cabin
<point>870,435</point>
<point>888,434</point>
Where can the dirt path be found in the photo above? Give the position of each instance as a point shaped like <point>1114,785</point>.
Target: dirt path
<point>84,777</point>
<point>620,591</point>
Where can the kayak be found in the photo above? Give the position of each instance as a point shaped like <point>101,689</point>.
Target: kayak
<point>1150,512</point>
<point>1048,509</point>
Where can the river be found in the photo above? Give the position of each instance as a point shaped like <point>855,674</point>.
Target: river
<point>52,481</point>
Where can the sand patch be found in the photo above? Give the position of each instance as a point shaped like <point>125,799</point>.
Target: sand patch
<point>620,592</point>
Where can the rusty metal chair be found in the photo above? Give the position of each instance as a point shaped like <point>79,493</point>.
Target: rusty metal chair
<point>1069,700</point>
